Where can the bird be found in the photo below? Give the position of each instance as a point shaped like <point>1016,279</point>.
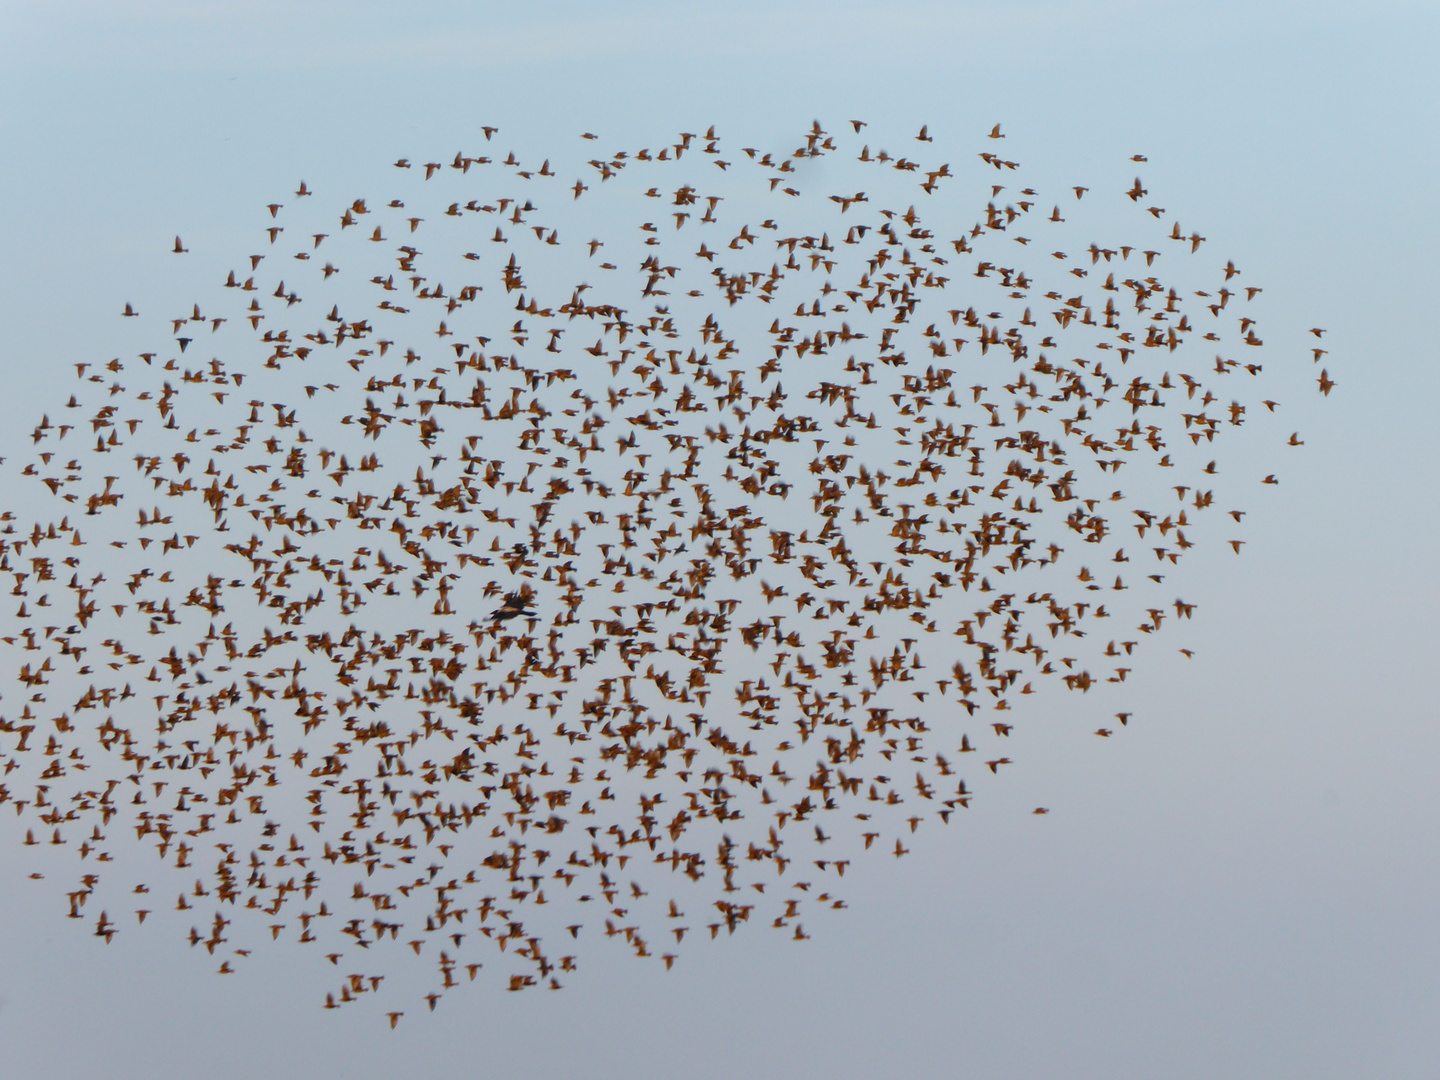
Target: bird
<point>767,520</point>
<point>514,605</point>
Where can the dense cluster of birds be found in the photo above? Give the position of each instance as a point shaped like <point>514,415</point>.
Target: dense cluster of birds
<point>458,580</point>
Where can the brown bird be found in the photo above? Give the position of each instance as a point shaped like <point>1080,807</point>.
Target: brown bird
<point>673,456</point>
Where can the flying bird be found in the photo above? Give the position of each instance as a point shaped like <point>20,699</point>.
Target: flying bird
<point>815,484</point>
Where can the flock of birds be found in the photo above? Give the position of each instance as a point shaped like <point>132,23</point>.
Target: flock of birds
<point>458,581</point>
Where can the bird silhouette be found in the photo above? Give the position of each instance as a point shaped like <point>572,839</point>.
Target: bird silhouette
<point>814,476</point>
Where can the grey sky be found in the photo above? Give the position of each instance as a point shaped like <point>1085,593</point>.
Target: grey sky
<point>1240,886</point>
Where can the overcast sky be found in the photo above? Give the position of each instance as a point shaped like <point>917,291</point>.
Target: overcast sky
<point>1244,885</point>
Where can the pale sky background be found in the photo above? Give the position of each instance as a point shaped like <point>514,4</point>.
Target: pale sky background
<point>1245,885</point>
